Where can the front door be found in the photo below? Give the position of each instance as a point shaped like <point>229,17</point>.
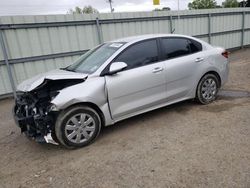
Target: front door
<point>141,85</point>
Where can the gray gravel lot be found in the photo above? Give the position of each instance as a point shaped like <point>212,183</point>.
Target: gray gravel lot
<point>182,145</point>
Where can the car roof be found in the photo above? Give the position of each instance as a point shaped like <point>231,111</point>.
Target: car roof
<point>148,36</point>
<point>134,39</point>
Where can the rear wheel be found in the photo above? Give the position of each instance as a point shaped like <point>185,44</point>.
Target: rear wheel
<point>207,89</point>
<point>77,126</point>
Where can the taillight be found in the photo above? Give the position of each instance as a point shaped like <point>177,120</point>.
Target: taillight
<point>225,54</point>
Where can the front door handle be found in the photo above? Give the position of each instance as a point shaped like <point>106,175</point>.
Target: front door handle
<point>157,69</point>
<point>199,59</point>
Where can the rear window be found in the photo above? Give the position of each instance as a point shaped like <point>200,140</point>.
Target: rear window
<point>177,47</point>
<point>194,46</point>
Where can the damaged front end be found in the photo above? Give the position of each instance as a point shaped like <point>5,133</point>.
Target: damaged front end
<point>35,114</point>
<point>32,114</point>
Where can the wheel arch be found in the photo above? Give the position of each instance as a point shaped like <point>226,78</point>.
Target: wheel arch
<point>214,73</point>
<point>90,105</point>
<point>208,72</point>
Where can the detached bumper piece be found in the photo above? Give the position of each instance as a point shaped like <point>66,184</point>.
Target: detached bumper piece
<point>34,118</point>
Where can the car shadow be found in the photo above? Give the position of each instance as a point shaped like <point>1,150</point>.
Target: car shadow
<point>180,108</point>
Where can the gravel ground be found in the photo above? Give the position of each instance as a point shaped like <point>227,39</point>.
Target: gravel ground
<point>182,145</point>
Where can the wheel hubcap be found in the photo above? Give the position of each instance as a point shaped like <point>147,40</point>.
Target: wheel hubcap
<point>209,89</point>
<point>80,128</point>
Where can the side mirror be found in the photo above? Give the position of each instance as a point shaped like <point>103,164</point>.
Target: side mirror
<point>117,67</point>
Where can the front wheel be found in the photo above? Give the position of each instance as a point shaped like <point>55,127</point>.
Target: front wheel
<point>77,126</point>
<point>207,89</point>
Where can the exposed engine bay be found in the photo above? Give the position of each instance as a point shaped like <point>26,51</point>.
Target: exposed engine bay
<point>33,113</point>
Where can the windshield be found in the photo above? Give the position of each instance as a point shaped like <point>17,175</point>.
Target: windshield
<point>93,59</point>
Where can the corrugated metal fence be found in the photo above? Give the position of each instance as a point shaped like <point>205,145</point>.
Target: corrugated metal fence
<point>36,44</point>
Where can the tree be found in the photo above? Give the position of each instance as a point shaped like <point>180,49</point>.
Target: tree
<point>164,8</point>
<point>202,4</point>
<point>110,5</point>
<point>85,10</point>
<point>230,3</point>
<point>244,3</point>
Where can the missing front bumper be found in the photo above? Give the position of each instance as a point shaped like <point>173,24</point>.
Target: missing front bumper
<point>37,125</point>
<point>34,133</point>
<point>49,139</point>
<point>43,139</point>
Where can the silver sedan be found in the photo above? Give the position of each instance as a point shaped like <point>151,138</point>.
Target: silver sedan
<point>117,80</point>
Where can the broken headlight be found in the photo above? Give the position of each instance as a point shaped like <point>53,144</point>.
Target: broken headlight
<point>53,107</point>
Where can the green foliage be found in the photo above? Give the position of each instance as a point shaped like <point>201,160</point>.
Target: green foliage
<point>244,3</point>
<point>230,3</point>
<point>85,10</point>
<point>202,4</point>
<point>164,8</point>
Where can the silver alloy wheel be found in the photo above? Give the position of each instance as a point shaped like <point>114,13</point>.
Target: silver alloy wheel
<point>209,89</point>
<point>80,128</point>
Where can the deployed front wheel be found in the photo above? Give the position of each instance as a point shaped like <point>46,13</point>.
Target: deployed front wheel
<point>77,126</point>
<point>207,89</point>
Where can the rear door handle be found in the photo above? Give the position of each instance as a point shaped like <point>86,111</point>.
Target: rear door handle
<point>199,59</point>
<point>157,69</point>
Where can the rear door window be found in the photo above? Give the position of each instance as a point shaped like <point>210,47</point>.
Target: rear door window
<point>175,47</point>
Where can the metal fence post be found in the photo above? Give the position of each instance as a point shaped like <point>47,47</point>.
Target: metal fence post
<point>243,29</point>
<point>171,24</point>
<point>99,34</point>
<point>209,28</point>
<point>7,63</point>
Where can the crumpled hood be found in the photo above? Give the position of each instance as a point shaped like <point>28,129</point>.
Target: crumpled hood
<point>58,74</point>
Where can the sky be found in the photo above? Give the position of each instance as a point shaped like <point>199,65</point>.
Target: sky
<point>37,7</point>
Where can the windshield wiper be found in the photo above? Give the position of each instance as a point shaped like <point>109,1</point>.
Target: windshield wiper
<point>66,68</point>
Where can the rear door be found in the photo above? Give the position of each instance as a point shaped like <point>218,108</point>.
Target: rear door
<point>183,57</point>
<point>141,85</point>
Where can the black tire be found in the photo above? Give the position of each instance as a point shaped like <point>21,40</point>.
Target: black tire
<point>65,116</point>
<point>200,92</point>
